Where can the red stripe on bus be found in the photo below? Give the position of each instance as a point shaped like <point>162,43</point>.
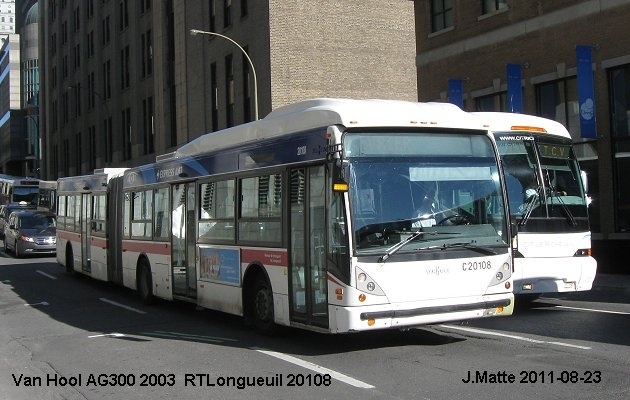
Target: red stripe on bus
<point>267,257</point>
<point>100,242</point>
<point>73,236</point>
<point>161,248</point>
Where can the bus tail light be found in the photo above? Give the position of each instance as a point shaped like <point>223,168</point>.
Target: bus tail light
<point>583,253</point>
<point>371,322</point>
<point>339,293</point>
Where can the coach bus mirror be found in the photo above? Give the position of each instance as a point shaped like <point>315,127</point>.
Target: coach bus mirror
<point>584,181</point>
<point>514,235</point>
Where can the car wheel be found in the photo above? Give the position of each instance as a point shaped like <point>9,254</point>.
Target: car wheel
<point>16,250</point>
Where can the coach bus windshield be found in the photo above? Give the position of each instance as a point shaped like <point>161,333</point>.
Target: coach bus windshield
<point>543,182</point>
<point>443,184</point>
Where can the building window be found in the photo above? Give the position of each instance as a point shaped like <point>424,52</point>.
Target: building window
<point>78,152</point>
<point>441,14</point>
<point>107,79</point>
<point>77,56</point>
<point>77,20</point>
<point>247,89</point>
<point>491,102</point>
<point>124,68</point>
<point>619,88</point>
<point>145,5</point>
<point>148,128</point>
<point>229,91</point>
<point>107,148</point>
<point>490,6</point>
<point>92,149</point>
<point>619,84</point>
<point>558,100</point>
<point>227,13</point>
<point>126,133</point>
<point>147,54</point>
<point>212,15</point>
<point>214,88</point>
<point>124,15</point>
<point>106,33</point>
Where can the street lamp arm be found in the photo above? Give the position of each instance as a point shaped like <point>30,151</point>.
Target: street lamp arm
<point>194,32</point>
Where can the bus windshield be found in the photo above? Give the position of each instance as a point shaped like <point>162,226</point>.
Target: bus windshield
<point>544,183</point>
<point>444,185</point>
<point>28,194</point>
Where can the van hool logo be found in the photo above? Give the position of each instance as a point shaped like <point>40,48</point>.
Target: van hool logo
<point>131,177</point>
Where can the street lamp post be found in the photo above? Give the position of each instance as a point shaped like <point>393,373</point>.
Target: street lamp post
<point>194,32</point>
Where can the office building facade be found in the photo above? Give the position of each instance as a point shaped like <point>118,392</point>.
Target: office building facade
<point>124,81</point>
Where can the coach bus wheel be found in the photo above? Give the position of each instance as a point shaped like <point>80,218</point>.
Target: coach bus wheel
<point>145,283</point>
<point>263,307</point>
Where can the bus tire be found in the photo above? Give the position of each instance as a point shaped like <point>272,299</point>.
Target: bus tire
<point>69,260</point>
<point>262,307</point>
<point>145,282</point>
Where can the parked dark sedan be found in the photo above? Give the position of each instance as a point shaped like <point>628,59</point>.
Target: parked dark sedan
<point>30,232</point>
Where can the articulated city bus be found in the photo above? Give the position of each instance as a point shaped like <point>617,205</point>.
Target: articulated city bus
<point>87,224</point>
<point>547,201</point>
<point>330,215</point>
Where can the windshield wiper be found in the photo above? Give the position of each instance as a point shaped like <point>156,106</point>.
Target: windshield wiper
<point>569,214</point>
<point>530,205</point>
<point>470,246</point>
<point>400,244</point>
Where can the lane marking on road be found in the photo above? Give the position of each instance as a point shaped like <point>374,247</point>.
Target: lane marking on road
<point>316,368</point>
<point>41,303</point>
<point>46,275</point>
<point>114,334</point>
<point>516,337</point>
<point>121,305</point>
<point>593,310</point>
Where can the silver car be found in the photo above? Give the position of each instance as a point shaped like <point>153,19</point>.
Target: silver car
<point>30,232</point>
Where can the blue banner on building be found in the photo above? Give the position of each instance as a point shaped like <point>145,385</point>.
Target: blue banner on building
<point>514,89</point>
<point>456,92</point>
<point>586,91</point>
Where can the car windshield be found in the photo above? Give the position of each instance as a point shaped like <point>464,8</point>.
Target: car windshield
<point>37,222</point>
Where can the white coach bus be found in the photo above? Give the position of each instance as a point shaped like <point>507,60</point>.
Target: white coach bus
<point>330,215</point>
<point>548,203</point>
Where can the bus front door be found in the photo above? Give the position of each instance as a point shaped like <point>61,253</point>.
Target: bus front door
<point>307,276</point>
<point>183,263</point>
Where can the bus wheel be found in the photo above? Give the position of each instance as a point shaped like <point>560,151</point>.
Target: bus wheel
<point>145,283</point>
<point>263,307</point>
<point>69,260</point>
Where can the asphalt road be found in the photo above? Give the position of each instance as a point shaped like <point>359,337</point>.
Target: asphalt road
<point>65,337</point>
